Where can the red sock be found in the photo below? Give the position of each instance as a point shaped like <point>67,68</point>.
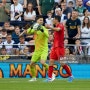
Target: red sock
<point>67,70</point>
<point>50,71</point>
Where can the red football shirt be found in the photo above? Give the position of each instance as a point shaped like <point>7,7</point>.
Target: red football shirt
<point>59,36</point>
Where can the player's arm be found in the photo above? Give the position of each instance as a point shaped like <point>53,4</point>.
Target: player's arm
<point>53,28</point>
<point>30,31</point>
<point>27,30</point>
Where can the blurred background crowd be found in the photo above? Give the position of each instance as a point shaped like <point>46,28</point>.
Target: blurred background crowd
<point>15,14</point>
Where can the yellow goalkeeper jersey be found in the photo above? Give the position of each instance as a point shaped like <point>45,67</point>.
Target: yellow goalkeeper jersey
<point>41,38</point>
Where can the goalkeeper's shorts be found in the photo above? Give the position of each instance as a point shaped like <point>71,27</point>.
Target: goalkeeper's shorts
<point>39,55</point>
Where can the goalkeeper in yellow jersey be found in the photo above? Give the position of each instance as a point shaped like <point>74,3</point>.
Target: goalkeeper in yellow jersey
<point>41,45</point>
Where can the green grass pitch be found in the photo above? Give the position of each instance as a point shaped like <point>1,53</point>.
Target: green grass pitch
<point>58,84</point>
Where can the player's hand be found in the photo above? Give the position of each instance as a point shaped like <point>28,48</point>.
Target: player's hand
<point>40,27</point>
<point>48,26</point>
<point>35,26</point>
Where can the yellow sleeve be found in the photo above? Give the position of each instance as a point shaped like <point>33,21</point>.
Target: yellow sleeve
<point>30,31</point>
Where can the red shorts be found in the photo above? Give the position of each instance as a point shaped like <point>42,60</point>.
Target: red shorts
<point>57,53</point>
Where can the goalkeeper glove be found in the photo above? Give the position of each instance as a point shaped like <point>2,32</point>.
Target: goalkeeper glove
<point>35,26</point>
<point>40,28</point>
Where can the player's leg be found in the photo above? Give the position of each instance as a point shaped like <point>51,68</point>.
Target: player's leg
<point>61,53</point>
<point>68,71</point>
<point>50,70</point>
<point>33,71</point>
<point>34,59</point>
<point>53,57</point>
<point>43,59</point>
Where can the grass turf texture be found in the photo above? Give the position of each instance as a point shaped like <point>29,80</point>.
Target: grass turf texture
<point>58,84</point>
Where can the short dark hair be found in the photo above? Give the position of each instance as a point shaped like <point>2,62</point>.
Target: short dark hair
<point>4,30</point>
<point>84,11</point>
<point>57,18</point>
<point>49,12</point>
<point>75,10</point>
<point>3,48</point>
<point>9,34</point>
<point>22,37</point>
<point>70,2</point>
<point>38,17</point>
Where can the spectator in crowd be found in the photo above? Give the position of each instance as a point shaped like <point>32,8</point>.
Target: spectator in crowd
<point>15,38</point>
<point>9,28</point>
<point>9,44</point>
<point>80,8</point>
<point>22,44</point>
<point>3,34</point>
<point>25,52</point>
<point>73,28</point>
<point>45,6</point>
<point>4,52</point>
<point>78,49</point>
<point>1,43</point>
<point>58,12</point>
<point>16,11</point>
<point>50,41</point>
<point>69,56</point>
<point>4,11</point>
<point>68,51</point>
<point>86,14</point>
<point>85,31</point>
<point>66,10</point>
<point>56,5</point>
<point>66,42</point>
<point>15,34</point>
<point>49,19</point>
<point>70,4</point>
<point>87,4</point>
<point>29,14</point>
<point>66,45</point>
<point>34,2</point>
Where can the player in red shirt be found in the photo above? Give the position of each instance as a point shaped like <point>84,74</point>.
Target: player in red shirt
<point>57,50</point>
